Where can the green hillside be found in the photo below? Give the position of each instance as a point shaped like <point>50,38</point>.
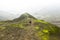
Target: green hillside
<point>27,27</point>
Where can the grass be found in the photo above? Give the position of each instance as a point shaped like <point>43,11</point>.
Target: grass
<point>2,28</point>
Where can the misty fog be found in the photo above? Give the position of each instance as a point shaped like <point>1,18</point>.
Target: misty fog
<point>41,9</point>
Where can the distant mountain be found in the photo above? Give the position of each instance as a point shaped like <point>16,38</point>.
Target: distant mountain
<point>2,18</point>
<point>27,27</point>
<point>6,16</point>
<point>24,16</point>
<point>53,19</point>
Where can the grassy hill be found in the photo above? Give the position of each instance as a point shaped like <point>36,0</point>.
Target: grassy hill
<point>27,27</point>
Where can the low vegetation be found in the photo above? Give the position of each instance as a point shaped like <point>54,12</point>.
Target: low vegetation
<point>28,29</point>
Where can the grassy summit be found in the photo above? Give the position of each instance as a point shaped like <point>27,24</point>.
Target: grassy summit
<point>27,27</point>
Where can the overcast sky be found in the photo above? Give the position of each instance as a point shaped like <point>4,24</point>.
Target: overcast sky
<point>16,7</point>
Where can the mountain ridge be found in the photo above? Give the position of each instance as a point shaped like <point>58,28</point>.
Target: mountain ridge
<point>28,28</point>
<point>24,16</point>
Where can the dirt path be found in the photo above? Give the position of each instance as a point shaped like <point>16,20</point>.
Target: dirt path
<point>30,32</point>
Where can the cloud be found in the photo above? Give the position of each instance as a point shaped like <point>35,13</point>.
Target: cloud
<point>15,6</point>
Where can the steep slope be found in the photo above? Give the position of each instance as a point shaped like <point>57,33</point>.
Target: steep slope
<point>26,27</point>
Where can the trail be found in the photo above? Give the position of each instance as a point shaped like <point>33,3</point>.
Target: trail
<point>30,32</point>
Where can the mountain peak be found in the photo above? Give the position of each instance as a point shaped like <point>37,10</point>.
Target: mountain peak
<point>24,16</point>
<point>26,13</point>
